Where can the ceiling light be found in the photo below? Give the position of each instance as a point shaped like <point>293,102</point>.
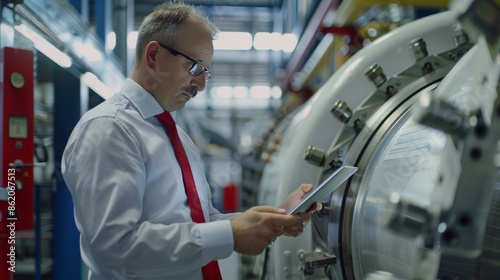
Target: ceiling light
<point>240,92</point>
<point>276,92</point>
<point>260,92</point>
<point>132,39</point>
<point>233,41</point>
<point>111,41</point>
<point>275,41</point>
<point>224,92</point>
<point>97,85</point>
<point>262,41</point>
<point>289,42</point>
<point>87,50</point>
<point>45,47</point>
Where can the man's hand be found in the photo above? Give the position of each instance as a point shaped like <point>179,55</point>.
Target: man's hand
<point>255,228</point>
<point>291,201</point>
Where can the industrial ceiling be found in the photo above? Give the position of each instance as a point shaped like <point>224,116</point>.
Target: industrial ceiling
<point>233,67</point>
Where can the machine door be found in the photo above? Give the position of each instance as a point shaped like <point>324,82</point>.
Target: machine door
<point>390,222</point>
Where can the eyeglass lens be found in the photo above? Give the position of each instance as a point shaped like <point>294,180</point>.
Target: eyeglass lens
<point>197,69</point>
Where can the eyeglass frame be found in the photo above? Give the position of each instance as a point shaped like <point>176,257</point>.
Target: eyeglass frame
<point>174,52</point>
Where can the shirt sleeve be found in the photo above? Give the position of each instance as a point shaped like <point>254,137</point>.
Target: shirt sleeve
<point>105,172</point>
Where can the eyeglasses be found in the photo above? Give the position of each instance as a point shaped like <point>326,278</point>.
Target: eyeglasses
<point>196,69</point>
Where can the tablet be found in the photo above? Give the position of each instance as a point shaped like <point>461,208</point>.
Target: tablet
<point>326,187</point>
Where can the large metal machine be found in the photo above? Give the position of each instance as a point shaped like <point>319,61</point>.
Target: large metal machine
<point>417,112</point>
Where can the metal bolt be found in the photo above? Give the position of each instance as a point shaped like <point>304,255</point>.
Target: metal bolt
<point>315,156</point>
<point>460,37</point>
<point>376,75</point>
<point>418,49</point>
<point>342,111</point>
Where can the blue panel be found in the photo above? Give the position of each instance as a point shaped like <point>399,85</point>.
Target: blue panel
<point>77,4</point>
<point>66,247</point>
<point>99,19</point>
<point>423,12</point>
<point>82,7</point>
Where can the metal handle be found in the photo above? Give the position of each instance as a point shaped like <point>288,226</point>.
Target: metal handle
<point>19,164</point>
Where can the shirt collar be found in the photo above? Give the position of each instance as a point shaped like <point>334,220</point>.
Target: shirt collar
<point>144,101</point>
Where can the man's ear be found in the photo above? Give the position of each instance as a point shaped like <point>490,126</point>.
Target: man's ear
<point>151,54</point>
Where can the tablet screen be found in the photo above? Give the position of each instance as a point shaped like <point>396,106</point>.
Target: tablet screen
<point>326,187</point>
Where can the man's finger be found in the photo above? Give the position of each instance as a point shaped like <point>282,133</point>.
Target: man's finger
<point>306,188</point>
<point>269,209</point>
<point>316,207</point>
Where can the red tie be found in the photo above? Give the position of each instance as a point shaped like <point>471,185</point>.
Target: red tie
<point>211,270</point>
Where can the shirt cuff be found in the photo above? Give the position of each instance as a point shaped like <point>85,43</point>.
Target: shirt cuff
<point>217,239</point>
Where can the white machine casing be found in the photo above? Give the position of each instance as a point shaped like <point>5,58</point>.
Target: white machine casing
<point>346,232</point>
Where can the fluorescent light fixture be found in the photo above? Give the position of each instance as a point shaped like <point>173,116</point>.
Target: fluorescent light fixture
<point>289,42</point>
<point>224,92</point>
<point>240,92</point>
<point>262,41</point>
<point>44,46</point>
<point>65,36</point>
<point>233,41</point>
<point>111,41</point>
<point>7,32</point>
<point>87,50</point>
<point>132,39</point>
<point>260,92</point>
<point>275,41</point>
<point>244,93</point>
<point>97,85</point>
<point>276,92</point>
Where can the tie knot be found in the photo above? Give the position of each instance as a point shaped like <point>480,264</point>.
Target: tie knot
<point>166,119</point>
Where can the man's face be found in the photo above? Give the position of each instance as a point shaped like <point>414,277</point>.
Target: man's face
<point>174,85</point>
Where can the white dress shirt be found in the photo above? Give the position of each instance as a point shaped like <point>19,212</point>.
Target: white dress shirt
<point>129,198</point>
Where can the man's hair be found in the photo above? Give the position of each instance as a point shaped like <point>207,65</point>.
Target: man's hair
<point>164,23</point>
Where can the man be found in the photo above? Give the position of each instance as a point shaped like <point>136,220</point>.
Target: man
<point>125,176</point>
